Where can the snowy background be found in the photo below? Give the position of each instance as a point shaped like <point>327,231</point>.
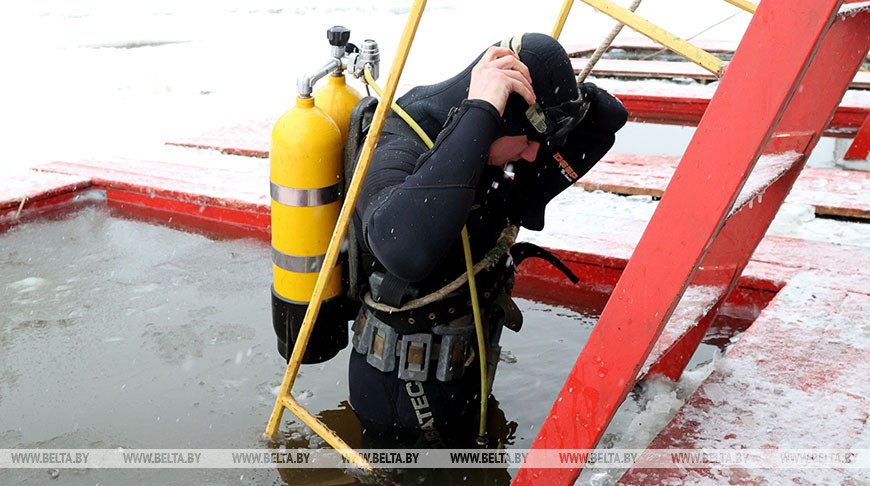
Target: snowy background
<point>86,79</point>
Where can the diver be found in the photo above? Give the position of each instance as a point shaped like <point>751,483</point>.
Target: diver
<point>511,131</point>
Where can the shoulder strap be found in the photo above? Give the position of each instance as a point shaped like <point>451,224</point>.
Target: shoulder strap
<point>360,121</point>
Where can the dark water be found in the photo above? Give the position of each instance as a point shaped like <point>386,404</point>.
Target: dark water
<point>117,333</point>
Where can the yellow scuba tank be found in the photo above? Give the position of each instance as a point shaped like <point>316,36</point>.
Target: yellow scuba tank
<point>337,99</point>
<point>306,189</point>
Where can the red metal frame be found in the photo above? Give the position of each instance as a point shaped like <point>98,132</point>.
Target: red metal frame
<point>861,145</point>
<point>771,100</point>
<point>35,209</point>
<point>673,109</point>
<point>724,263</point>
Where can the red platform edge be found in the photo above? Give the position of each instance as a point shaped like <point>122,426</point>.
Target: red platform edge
<point>54,184</point>
<point>809,369</point>
<point>861,145</point>
<point>670,106</point>
<point>599,265</point>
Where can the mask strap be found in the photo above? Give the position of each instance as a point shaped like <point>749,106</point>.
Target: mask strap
<point>534,113</point>
<point>514,43</point>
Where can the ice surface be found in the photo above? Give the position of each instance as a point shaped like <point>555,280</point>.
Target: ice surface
<point>642,416</point>
<point>28,284</point>
<point>796,379</point>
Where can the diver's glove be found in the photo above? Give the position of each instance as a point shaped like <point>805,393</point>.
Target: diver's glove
<point>557,167</point>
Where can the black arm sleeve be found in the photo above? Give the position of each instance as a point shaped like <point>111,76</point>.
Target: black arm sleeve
<point>414,203</point>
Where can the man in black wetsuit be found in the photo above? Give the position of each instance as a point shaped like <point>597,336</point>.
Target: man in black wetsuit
<point>414,374</point>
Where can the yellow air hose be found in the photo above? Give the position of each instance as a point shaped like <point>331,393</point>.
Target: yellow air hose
<point>469,268</point>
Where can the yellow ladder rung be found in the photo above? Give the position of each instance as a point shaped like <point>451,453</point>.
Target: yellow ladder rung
<point>325,432</point>
<point>748,6</point>
<point>563,16</point>
<point>660,35</point>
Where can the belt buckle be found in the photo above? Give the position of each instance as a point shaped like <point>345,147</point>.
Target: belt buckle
<point>382,348</point>
<point>414,356</point>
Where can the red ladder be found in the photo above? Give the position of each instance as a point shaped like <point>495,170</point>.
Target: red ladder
<point>781,89</point>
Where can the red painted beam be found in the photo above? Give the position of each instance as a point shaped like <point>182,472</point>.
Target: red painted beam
<point>725,262</point>
<point>674,109</point>
<point>797,131</point>
<point>861,145</point>
<point>674,360</point>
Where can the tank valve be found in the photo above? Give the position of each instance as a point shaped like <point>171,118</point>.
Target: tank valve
<point>345,56</point>
<point>338,38</point>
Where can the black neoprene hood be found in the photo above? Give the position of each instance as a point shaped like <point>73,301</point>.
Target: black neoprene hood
<point>552,80</point>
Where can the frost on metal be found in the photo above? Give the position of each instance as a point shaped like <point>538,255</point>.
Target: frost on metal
<point>853,9</point>
<point>697,301</point>
<point>767,170</point>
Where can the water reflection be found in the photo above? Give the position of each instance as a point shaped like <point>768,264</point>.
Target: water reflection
<point>500,431</point>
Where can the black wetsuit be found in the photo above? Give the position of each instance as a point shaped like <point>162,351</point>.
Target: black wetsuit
<point>412,208</point>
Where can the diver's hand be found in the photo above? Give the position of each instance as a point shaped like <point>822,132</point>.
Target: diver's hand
<point>498,74</point>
